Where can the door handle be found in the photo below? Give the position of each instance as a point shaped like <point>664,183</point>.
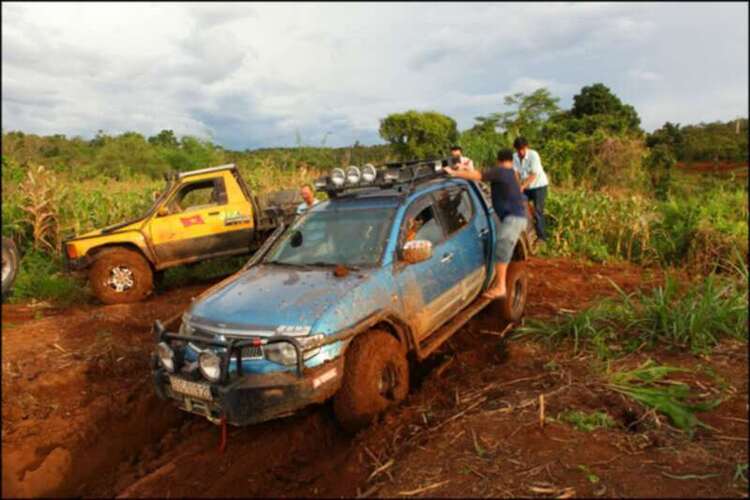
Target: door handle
<point>213,213</point>
<point>447,257</point>
<point>484,232</point>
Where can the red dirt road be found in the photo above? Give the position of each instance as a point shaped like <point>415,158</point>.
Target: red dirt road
<point>80,417</point>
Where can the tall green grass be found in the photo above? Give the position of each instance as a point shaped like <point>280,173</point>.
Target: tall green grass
<point>695,317</point>
<point>701,229</point>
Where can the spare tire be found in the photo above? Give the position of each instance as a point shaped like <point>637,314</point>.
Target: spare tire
<point>10,265</point>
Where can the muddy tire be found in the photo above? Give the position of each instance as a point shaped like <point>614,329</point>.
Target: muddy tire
<point>10,265</point>
<point>119,275</point>
<point>376,375</point>
<point>511,308</point>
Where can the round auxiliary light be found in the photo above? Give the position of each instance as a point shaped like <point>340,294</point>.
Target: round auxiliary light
<point>353,175</point>
<point>210,365</point>
<point>369,173</point>
<point>166,356</point>
<point>337,177</point>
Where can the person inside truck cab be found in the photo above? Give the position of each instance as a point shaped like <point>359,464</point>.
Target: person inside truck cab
<point>510,206</point>
<point>459,161</point>
<point>308,195</point>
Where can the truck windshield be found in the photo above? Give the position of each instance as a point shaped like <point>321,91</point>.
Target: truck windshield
<point>346,237</point>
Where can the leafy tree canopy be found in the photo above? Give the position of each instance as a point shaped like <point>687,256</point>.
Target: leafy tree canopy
<point>416,134</point>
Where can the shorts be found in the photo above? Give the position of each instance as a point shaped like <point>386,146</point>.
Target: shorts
<point>508,233</point>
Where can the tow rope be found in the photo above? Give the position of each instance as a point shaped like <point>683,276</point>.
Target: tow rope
<point>223,442</point>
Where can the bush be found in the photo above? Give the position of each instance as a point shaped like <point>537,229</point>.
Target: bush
<point>40,277</point>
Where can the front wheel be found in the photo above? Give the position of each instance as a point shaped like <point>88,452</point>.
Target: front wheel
<point>376,375</point>
<point>10,265</point>
<point>119,275</point>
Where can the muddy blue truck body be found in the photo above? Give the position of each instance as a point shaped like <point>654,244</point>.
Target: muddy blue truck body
<point>274,337</point>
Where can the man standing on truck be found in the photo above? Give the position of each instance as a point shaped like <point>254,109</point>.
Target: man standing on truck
<point>534,182</point>
<point>307,194</point>
<point>510,206</point>
<point>461,162</point>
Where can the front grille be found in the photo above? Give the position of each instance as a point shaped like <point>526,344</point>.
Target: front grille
<point>252,352</point>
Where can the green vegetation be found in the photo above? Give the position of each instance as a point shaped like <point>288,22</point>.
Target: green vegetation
<point>587,422</point>
<point>696,318</point>
<point>615,193</point>
<point>592,478</point>
<point>647,385</point>
<point>704,142</point>
<point>40,277</point>
<point>415,134</point>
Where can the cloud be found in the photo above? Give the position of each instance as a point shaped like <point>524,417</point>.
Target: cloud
<point>257,75</point>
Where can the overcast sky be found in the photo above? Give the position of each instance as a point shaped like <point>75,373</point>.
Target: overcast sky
<point>255,75</point>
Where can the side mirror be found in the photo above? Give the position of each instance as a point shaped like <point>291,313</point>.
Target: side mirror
<point>416,251</point>
<point>162,211</point>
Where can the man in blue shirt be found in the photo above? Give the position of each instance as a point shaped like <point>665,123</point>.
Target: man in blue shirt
<point>510,206</point>
<point>534,181</point>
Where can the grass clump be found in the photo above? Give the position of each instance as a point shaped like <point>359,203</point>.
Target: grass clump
<point>695,318</point>
<point>39,277</point>
<point>648,386</point>
<point>587,422</point>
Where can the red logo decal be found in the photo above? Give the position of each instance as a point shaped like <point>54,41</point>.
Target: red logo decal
<point>189,221</point>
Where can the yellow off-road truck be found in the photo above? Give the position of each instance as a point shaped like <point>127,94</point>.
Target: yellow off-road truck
<point>200,215</point>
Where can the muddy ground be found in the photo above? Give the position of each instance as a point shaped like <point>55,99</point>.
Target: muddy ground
<point>80,417</point>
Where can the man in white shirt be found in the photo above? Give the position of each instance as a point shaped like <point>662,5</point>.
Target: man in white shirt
<point>307,194</point>
<point>460,162</point>
<point>534,181</point>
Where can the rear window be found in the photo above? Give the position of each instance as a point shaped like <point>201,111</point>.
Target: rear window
<point>455,208</point>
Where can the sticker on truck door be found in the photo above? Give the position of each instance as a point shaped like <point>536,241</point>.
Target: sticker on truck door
<point>235,217</point>
<point>191,221</point>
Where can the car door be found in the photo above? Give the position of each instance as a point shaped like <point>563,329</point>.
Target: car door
<point>426,287</point>
<point>465,232</point>
<point>195,226</point>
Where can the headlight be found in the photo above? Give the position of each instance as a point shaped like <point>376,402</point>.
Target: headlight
<point>353,175</point>
<point>166,356</point>
<point>281,352</point>
<point>369,173</point>
<point>210,365</point>
<point>337,177</point>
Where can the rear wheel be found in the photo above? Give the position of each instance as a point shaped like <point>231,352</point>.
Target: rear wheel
<point>10,265</point>
<point>376,375</point>
<point>512,306</point>
<point>119,275</point>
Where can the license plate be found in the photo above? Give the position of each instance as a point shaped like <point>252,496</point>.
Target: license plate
<point>193,389</point>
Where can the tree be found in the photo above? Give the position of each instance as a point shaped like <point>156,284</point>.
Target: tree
<point>598,100</point>
<point>164,138</point>
<point>416,134</point>
<point>659,163</point>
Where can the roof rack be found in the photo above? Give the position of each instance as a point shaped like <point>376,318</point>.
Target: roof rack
<point>405,174</point>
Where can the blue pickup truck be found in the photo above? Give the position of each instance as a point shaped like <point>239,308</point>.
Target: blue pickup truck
<point>340,303</point>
